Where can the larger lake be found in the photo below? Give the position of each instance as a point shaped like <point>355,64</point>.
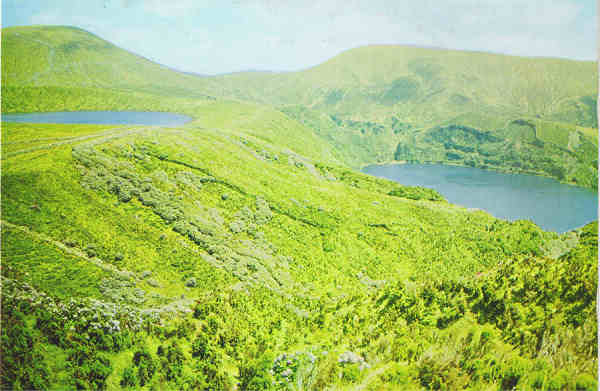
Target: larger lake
<point>551,205</point>
<point>101,117</point>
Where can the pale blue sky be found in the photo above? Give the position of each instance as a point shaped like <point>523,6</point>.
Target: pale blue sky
<point>212,37</point>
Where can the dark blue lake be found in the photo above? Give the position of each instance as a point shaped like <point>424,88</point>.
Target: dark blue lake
<point>550,204</point>
<point>101,117</point>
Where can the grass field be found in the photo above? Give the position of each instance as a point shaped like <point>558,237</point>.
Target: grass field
<point>242,251</point>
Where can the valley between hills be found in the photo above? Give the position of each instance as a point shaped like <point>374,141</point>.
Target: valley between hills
<point>245,250</point>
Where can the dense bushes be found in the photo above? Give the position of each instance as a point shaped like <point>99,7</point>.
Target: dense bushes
<point>23,366</point>
<point>88,332</point>
<point>89,369</point>
<point>255,373</point>
<point>253,260</point>
<point>527,324</point>
<point>479,305</point>
<point>416,193</point>
<point>527,303</point>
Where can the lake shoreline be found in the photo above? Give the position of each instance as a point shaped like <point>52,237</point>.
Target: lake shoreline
<point>493,169</point>
<point>552,205</point>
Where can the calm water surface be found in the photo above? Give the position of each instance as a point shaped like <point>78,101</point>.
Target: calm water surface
<point>551,205</point>
<point>101,117</point>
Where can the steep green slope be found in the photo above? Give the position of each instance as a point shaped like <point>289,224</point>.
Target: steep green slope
<point>385,78</point>
<point>238,252</point>
<point>274,252</point>
<point>69,57</point>
<point>373,104</point>
<point>382,103</point>
<point>51,68</point>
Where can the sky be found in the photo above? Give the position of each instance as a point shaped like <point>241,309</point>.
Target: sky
<point>221,36</point>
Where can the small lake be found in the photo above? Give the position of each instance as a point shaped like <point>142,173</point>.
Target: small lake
<point>550,204</point>
<point>101,117</point>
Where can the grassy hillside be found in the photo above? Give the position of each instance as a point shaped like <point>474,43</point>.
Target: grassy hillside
<point>277,234</point>
<point>53,68</point>
<point>69,57</point>
<point>239,252</point>
<point>382,103</point>
<point>386,78</point>
<point>372,104</point>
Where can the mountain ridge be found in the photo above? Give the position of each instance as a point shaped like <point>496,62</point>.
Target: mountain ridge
<point>374,104</point>
<point>241,252</point>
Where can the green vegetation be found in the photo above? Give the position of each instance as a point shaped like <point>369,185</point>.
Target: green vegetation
<point>376,111</point>
<point>240,252</point>
<point>71,58</point>
<point>542,112</point>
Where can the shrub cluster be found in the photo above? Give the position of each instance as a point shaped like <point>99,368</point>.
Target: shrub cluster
<point>416,193</point>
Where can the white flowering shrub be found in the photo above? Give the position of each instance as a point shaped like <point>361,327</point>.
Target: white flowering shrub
<point>296,371</point>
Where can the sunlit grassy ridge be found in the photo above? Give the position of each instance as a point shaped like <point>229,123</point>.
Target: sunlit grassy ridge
<point>382,103</point>
<point>240,252</point>
<point>73,58</point>
<point>54,68</point>
<point>371,104</point>
<point>400,77</point>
